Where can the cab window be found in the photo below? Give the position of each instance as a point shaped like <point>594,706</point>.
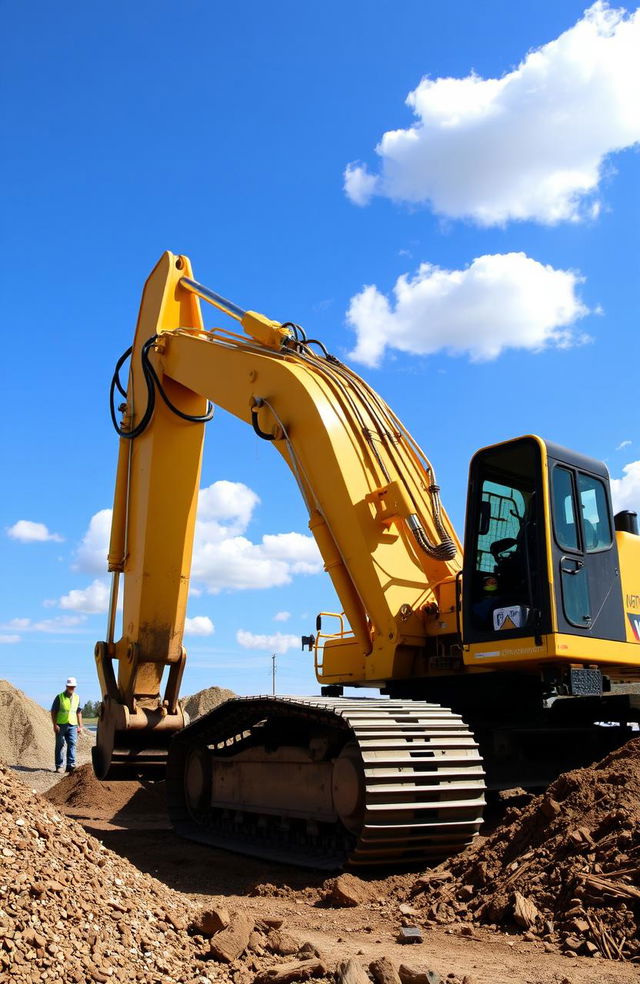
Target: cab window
<point>595,513</point>
<point>564,516</point>
<point>502,556</point>
<point>504,508</point>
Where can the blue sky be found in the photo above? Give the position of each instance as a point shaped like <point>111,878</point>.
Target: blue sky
<point>508,209</point>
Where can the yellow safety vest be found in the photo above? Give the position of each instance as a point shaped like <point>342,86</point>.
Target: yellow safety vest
<point>67,709</point>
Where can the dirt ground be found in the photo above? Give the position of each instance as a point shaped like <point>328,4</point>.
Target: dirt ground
<point>43,779</point>
<point>140,831</point>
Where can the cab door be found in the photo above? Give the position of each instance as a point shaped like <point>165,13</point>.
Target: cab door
<point>585,556</point>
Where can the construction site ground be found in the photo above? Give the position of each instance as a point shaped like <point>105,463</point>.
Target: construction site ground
<point>138,830</point>
<point>581,839</point>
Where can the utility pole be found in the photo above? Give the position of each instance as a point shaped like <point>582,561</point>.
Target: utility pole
<point>273,673</point>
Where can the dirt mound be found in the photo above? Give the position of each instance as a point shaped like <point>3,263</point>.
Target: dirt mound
<point>566,868</point>
<point>81,793</point>
<point>205,701</point>
<point>26,734</point>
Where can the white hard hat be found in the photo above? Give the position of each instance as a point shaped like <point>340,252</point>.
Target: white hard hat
<point>72,682</point>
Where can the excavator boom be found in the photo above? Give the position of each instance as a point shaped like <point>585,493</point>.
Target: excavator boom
<point>373,502</point>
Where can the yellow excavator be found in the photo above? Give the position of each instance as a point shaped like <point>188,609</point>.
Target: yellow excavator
<point>495,668</point>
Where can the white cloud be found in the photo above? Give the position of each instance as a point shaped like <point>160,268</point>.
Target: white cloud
<point>299,552</point>
<point>55,626</point>
<point>359,184</point>
<point>199,625</point>
<point>237,563</point>
<point>500,301</point>
<point>93,600</point>
<point>530,145</point>
<point>282,616</point>
<point>91,556</point>
<point>622,445</point>
<point>27,531</point>
<point>625,491</point>
<point>277,643</point>
<point>225,509</point>
<point>224,559</point>
<point>6,640</point>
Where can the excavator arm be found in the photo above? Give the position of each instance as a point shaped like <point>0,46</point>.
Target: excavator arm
<point>373,503</point>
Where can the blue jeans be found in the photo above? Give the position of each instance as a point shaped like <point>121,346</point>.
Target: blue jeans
<point>67,733</point>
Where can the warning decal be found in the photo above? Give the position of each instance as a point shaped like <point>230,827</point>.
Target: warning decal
<point>635,625</point>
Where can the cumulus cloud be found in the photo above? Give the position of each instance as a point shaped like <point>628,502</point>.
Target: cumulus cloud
<point>199,625</point>
<point>59,624</point>
<point>530,145</point>
<point>625,491</point>
<point>224,559</point>
<point>276,643</point>
<point>225,509</point>
<point>500,301</point>
<point>91,556</point>
<point>92,600</point>
<point>282,616</point>
<point>26,531</point>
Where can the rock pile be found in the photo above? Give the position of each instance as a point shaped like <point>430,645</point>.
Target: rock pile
<point>205,700</point>
<point>71,910</point>
<point>565,868</point>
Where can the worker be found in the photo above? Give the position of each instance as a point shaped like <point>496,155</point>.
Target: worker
<point>67,722</point>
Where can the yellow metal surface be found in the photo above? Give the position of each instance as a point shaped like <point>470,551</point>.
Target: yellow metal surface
<point>324,420</point>
<point>629,554</point>
<point>155,500</point>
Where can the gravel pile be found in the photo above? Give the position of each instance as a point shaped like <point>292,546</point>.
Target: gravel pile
<point>205,701</point>
<point>565,868</point>
<point>72,911</point>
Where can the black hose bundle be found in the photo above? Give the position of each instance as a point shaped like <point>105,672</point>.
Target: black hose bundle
<point>153,383</point>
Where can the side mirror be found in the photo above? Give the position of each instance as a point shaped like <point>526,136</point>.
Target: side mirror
<point>318,623</point>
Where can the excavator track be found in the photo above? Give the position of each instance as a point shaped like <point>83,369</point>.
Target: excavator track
<point>328,783</point>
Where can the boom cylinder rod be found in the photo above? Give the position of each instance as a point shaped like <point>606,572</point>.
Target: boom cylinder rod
<point>113,604</point>
<point>216,299</point>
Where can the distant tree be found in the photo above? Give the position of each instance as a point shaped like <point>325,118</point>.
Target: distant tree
<point>90,709</point>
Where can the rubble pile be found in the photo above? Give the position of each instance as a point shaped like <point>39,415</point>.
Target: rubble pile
<point>205,700</point>
<point>26,732</point>
<point>565,868</point>
<point>71,910</point>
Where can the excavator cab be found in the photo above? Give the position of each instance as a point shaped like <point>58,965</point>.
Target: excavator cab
<point>542,570</point>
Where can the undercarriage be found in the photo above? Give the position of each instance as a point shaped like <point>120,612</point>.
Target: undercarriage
<point>327,783</point>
